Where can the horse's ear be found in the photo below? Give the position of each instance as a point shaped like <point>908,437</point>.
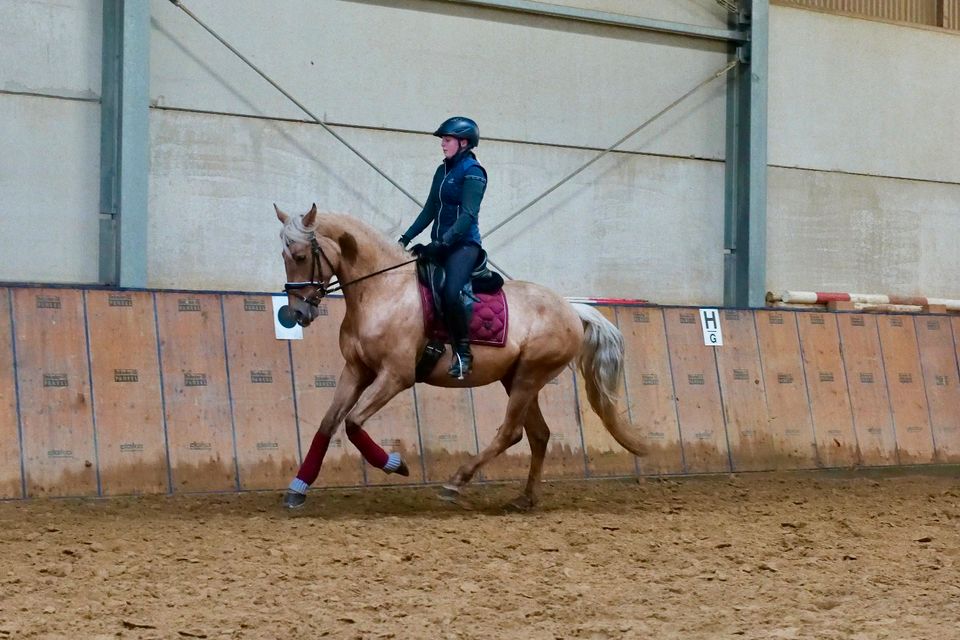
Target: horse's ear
<point>281,216</point>
<point>311,217</point>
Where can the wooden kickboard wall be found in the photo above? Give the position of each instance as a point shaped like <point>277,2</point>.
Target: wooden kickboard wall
<point>114,392</point>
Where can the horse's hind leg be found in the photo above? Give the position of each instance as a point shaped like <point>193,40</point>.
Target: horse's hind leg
<point>538,434</point>
<point>508,434</point>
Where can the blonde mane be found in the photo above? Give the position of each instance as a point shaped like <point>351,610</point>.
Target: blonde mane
<point>333,225</point>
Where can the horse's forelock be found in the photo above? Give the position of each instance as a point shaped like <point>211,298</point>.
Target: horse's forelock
<point>295,232</point>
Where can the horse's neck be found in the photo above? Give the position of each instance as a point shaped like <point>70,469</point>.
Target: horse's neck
<point>371,255</point>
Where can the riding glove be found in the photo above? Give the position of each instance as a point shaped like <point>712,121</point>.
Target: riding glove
<point>435,251</point>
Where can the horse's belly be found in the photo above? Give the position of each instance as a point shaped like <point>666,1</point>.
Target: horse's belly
<point>490,364</point>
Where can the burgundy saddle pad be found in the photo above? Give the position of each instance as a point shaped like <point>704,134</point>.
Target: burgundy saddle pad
<point>488,324</point>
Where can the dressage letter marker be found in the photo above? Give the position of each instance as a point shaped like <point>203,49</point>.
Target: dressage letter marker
<point>710,321</point>
<point>280,329</point>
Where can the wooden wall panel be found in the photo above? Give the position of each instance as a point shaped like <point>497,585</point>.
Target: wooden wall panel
<point>199,426</point>
<point>744,395</point>
<point>788,406</point>
<point>261,386</point>
<point>317,363</point>
<point>788,390</point>
<point>827,388</point>
<point>605,456</point>
<point>694,370</point>
<point>908,397</point>
<point>649,389</point>
<point>939,362</point>
<point>126,389</point>
<point>55,405</point>
<point>447,431</point>
<point>863,362</point>
<point>11,476</point>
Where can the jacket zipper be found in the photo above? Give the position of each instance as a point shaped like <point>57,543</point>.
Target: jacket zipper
<point>436,227</point>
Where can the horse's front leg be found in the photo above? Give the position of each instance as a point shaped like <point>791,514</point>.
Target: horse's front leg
<point>384,387</point>
<point>353,380</point>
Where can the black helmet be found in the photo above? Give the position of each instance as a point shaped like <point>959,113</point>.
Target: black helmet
<point>462,128</point>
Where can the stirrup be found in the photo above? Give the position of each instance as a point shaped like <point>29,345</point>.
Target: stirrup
<point>462,364</point>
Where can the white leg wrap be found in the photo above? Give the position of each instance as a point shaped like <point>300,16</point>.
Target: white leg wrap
<point>393,462</point>
<point>299,486</point>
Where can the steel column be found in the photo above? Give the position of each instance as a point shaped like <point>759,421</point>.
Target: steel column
<point>745,210</point>
<point>124,142</point>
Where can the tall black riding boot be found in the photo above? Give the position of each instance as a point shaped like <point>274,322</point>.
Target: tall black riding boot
<point>458,323</point>
<point>462,362</point>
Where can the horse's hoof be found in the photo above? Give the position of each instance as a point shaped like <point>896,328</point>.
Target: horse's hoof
<point>520,504</point>
<point>293,500</point>
<point>450,493</point>
<point>403,469</point>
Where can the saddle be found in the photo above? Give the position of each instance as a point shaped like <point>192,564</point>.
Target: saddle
<point>486,307</point>
<point>482,280</point>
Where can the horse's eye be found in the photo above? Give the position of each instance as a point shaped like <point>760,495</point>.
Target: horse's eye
<point>300,257</point>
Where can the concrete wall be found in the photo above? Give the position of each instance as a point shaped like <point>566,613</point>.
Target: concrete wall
<point>512,73</point>
<point>49,140</point>
<point>868,111</point>
<point>861,163</point>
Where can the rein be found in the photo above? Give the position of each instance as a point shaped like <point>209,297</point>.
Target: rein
<point>290,288</point>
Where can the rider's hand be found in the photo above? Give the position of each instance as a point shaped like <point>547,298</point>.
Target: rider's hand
<point>403,241</point>
<point>433,251</point>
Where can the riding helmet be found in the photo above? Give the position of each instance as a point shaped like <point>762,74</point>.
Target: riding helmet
<point>462,128</point>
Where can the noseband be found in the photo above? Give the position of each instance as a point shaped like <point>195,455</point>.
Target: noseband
<point>316,271</point>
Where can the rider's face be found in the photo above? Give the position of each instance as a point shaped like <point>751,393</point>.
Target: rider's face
<point>450,146</point>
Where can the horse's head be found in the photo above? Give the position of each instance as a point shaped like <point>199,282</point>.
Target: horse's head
<point>310,261</point>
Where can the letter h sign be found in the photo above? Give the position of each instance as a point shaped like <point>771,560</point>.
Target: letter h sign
<point>710,321</point>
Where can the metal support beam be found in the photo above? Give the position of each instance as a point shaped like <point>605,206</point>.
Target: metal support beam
<point>613,19</point>
<point>745,211</point>
<point>124,142</point>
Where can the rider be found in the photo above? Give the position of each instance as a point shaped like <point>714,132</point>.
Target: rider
<point>453,207</point>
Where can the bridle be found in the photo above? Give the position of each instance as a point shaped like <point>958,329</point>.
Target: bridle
<point>316,269</point>
<point>320,289</point>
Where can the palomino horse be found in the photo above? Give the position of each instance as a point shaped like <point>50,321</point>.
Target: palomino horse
<point>382,335</point>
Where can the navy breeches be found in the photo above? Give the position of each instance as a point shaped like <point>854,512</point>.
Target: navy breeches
<point>459,265</point>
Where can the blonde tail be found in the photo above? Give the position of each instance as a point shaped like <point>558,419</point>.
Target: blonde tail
<point>601,363</point>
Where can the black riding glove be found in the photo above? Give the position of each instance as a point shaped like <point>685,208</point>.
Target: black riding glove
<point>435,251</point>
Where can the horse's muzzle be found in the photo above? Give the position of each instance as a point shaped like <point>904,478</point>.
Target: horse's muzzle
<point>298,313</point>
